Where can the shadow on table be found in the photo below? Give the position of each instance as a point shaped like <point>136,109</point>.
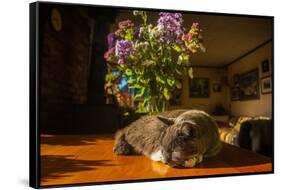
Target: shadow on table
<point>54,167</point>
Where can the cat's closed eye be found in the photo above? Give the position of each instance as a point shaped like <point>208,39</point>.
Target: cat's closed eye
<point>183,137</point>
<point>181,140</point>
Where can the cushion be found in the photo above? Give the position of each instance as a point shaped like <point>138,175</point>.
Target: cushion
<point>228,135</point>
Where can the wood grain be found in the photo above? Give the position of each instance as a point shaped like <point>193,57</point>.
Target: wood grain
<point>70,159</point>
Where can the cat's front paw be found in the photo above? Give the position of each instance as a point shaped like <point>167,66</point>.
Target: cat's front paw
<point>199,159</point>
<point>122,148</point>
<point>190,162</point>
<point>193,161</point>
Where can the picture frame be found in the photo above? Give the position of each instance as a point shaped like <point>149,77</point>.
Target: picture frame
<point>266,85</point>
<point>236,80</point>
<point>265,66</point>
<point>199,88</point>
<point>74,126</point>
<point>249,85</point>
<point>235,93</point>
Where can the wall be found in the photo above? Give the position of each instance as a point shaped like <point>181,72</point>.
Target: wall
<point>64,66</point>
<point>263,105</point>
<point>215,99</point>
<point>256,107</point>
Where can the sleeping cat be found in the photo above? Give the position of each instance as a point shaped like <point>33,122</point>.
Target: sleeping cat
<point>179,138</point>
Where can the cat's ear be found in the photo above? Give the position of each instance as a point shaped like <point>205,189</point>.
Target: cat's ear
<point>167,120</point>
<point>189,129</point>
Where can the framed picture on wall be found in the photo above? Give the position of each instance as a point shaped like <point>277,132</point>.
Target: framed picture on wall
<point>265,66</point>
<point>236,80</point>
<point>266,85</point>
<point>199,88</point>
<point>249,85</point>
<point>235,93</point>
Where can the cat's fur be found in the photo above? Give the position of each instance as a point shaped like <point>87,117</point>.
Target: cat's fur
<point>176,138</point>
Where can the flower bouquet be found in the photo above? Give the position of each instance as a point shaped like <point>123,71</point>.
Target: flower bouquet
<point>153,59</point>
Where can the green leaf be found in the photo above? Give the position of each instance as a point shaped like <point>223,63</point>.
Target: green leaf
<point>171,82</point>
<point>178,84</point>
<point>178,71</point>
<point>135,86</point>
<point>144,81</point>
<point>108,77</point>
<point>136,12</point>
<point>158,79</point>
<point>185,57</point>
<point>167,94</point>
<point>128,72</point>
<point>129,35</point>
<point>179,60</point>
<point>122,66</point>
<point>146,100</point>
<point>126,113</point>
<point>131,81</point>
<point>132,57</point>
<point>177,48</point>
<point>141,93</point>
<point>142,14</point>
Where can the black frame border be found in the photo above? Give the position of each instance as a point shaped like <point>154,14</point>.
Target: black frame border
<point>34,133</point>
<point>34,128</point>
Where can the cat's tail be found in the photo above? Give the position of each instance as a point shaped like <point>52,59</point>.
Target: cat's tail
<point>121,146</point>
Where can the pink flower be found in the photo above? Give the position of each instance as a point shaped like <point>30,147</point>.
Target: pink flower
<point>187,37</point>
<point>108,54</point>
<point>118,32</point>
<point>125,23</point>
<point>192,48</point>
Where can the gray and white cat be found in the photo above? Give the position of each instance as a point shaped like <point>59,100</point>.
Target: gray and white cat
<point>179,138</point>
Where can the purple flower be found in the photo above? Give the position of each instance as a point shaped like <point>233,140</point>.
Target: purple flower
<point>123,48</point>
<point>111,39</point>
<point>121,61</point>
<point>171,26</point>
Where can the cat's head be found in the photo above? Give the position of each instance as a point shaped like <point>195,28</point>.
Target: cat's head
<point>180,140</point>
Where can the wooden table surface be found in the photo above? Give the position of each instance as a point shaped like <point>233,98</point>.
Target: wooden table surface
<point>71,159</point>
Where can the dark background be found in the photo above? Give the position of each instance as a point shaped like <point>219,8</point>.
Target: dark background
<point>72,71</point>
